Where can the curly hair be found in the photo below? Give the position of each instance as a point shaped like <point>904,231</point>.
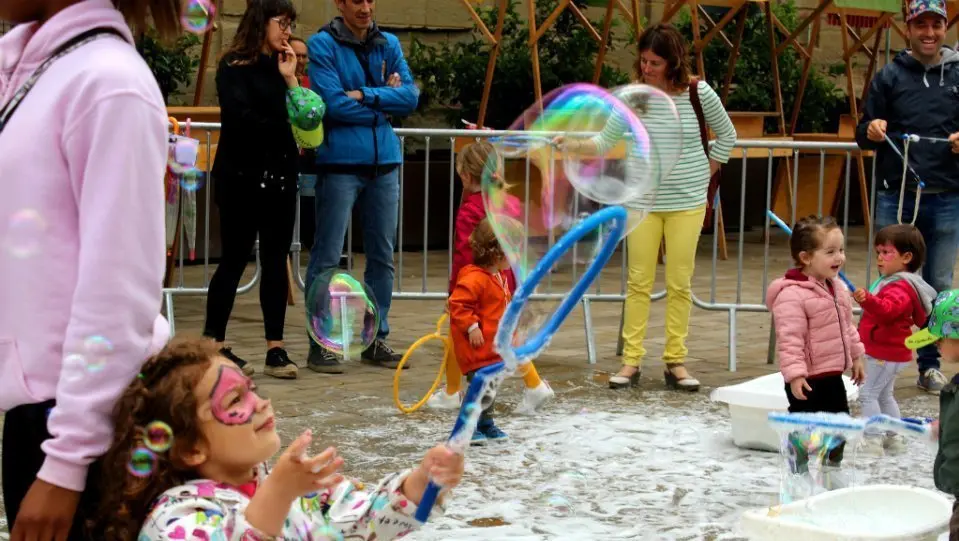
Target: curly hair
<point>666,42</point>
<point>164,391</point>
<point>486,249</point>
<point>808,235</point>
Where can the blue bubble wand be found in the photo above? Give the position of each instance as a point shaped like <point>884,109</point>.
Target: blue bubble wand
<point>483,388</point>
<point>782,225</point>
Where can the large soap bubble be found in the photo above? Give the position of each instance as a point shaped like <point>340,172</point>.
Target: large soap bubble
<point>341,313</point>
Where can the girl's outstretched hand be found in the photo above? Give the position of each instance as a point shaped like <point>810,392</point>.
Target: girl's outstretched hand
<point>859,295</point>
<point>297,474</point>
<point>441,464</point>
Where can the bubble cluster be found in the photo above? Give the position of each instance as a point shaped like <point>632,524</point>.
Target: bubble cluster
<point>25,232</point>
<point>342,315</point>
<point>158,437</point>
<point>198,16</point>
<point>142,462</point>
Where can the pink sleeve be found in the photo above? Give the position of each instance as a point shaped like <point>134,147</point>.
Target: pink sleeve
<point>116,153</point>
<point>792,328</point>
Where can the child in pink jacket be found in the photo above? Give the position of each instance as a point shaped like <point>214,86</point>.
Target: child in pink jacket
<point>816,337</point>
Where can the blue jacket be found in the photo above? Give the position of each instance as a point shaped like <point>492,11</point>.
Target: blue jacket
<point>921,100</point>
<point>359,133</point>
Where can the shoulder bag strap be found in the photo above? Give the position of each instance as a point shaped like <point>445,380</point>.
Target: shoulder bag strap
<point>698,108</point>
<point>70,45</point>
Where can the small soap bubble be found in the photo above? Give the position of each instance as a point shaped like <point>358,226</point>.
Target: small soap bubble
<point>98,350</point>
<point>192,180</point>
<point>74,367</point>
<point>559,504</point>
<point>159,437</point>
<point>142,462</point>
<point>25,231</point>
<point>198,16</point>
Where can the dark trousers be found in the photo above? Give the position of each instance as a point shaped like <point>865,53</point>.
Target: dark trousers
<point>24,430</point>
<point>244,213</point>
<point>954,523</point>
<point>486,417</point>
<point>828,395</point>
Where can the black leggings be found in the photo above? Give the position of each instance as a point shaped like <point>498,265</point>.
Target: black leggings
<point>24,430</point>
<point>271,213</point>
<point>828,395</point>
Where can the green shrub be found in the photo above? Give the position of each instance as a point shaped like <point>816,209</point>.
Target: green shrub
<point>753,84</point>
<point>174,65</point>
<point>452,73</point>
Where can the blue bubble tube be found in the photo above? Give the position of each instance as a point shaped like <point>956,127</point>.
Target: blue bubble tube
<point>487,380</point>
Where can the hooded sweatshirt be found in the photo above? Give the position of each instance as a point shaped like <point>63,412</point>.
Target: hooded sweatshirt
<point>81,230</point>
<point>916,99</point>
<point>359,136</point>
<point>815,332</point>
<point>479,299</point>
<point>894,304</point>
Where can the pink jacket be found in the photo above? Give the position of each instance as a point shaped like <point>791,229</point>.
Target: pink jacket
<point>815,331</point>
<point>81,230</point>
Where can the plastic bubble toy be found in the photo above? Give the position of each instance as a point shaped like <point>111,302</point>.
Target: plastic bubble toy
<point>342,315</point>
<point>444,339</point>
<point>198,16</point>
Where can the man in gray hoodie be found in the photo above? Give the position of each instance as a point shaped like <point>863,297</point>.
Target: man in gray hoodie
<point>918,94</point>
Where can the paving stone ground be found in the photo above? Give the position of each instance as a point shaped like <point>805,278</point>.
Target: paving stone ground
<point>341,400</point>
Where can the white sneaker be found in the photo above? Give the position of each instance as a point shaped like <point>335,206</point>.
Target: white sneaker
<point>895,444</point>
<point>534,398</point>
<point>443,401</point>
<point>872,446</point>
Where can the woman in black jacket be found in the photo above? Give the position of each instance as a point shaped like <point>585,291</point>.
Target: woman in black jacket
<point>254,174</point>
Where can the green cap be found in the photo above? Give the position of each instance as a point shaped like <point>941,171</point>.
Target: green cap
<point>305,110</point>
<point>943,322</point>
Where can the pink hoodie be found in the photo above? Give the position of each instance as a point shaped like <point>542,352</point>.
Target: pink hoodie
<point>81,164</point>
<point>815,331</point>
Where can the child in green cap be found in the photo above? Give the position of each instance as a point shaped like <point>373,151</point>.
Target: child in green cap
<point>943,329</point>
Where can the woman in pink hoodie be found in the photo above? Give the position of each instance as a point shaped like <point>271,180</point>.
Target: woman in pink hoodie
<point>816,337</point>
<point>83,149</point>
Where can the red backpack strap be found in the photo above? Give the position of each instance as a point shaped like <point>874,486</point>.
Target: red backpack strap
<point>698,108</point>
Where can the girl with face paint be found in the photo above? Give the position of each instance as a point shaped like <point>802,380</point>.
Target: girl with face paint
<point>209,480</point>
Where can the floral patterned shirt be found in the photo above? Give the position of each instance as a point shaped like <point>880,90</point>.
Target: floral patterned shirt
<point>204,510</point>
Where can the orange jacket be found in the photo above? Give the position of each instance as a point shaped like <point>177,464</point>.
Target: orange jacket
<point>479,298</point>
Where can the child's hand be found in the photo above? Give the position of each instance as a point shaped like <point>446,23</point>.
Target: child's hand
<point>797,386</point>
<point>858,372</point>
<point>859,295</point>
<point>934,430</point>
<point>441,464</point>
<point>476,338</point>
<point>296,475</point>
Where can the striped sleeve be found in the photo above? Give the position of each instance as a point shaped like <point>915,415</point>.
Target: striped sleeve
<point>718,120</point>
<point>612,132</point>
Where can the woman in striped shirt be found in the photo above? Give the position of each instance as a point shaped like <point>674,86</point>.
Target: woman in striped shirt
<point>676,210</point>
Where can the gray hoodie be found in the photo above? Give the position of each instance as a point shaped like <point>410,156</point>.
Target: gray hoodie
<point>924,291</point>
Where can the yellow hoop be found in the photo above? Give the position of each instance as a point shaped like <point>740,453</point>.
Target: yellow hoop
<point>447,349</point>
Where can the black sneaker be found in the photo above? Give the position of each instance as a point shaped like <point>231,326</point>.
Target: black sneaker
<point>244,366</point>
<point>323,361</point>
<point>380,354</point>
<point>279,365</point>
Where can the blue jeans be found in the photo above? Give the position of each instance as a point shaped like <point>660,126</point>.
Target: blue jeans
<point>379,200</point>
<point>938,222</point>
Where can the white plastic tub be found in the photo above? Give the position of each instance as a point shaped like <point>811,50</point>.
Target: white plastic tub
<point>876,512</point>
<point>750,403</point>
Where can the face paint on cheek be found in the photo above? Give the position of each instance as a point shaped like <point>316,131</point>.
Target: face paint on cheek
<point>231,401</point>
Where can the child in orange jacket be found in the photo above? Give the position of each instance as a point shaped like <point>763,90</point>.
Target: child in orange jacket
<point>476,306</point>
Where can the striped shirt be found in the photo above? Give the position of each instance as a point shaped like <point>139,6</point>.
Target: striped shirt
<point>685,185</point>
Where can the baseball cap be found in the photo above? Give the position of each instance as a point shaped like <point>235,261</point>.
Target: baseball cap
<point>916,8</point>
<point>305,110</point>
<point>943,322</point>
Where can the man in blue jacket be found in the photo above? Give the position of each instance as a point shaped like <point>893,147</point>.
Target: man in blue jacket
<point>361,74</point>
<point>918,94</point>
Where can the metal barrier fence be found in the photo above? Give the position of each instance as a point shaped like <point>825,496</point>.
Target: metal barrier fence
<point>428,139</point>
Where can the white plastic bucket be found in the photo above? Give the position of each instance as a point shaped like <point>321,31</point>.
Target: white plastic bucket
<point>750,403</point>
<point>876,512</point>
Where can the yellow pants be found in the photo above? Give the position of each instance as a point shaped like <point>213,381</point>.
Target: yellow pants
<point>681,230</point>
<point>454,378</point>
